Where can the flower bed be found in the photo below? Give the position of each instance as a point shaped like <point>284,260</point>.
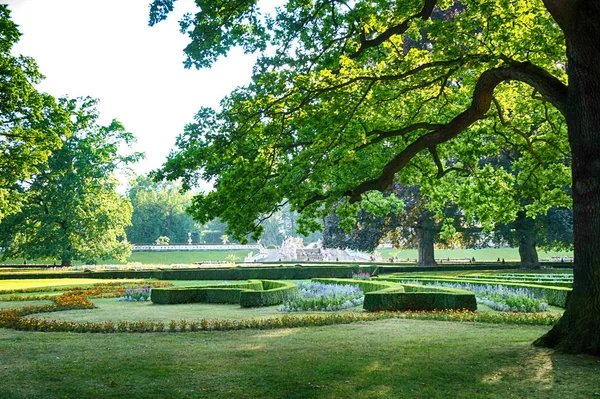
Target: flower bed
<point>284,321</point>
<point>315,296</point>
<point>552,295</point>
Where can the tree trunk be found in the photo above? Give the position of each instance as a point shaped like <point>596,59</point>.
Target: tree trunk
<point>526,233</point>
<point>426,236</point>
<point>66,262</point>
<point>578,331</point>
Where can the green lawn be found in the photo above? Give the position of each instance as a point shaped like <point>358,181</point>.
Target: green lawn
<point>157,258</point>
<point>111,309</point>
<point>508,254</point>
<point>168,258</point>
<point>386,359</point>
<point>6,285</point>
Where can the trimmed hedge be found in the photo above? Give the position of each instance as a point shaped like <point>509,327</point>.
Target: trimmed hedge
<point>251,294</point>
<point>381,295</point>
<point>272,293</point>
<point>267,273</point>
<point>556,296</point>
<point>222,293</point>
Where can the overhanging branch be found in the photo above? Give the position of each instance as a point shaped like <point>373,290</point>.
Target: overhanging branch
<point>547,85</point>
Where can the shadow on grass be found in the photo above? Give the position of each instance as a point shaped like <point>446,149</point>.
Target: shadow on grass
<point>387,359</point>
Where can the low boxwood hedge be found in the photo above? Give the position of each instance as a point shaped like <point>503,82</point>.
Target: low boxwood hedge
<point>272,293</point>
<point>556,296</point>
<point>251,294</point>
<point>227,273</point>
<point>221,293</point>
<point>384,295</point>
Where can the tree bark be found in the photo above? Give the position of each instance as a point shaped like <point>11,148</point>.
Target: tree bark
<point>426,235</point>
<point>66,262</point>
<point>578,331</point>
<point>526,234</point>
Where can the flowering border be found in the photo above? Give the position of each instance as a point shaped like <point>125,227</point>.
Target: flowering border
<point>14,319</point>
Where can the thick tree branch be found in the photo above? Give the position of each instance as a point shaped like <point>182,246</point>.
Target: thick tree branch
<point>550,87</point>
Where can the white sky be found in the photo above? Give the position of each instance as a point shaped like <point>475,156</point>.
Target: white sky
<point>105,49</point>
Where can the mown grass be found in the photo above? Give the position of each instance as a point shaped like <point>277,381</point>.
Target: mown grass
<point>18,284</point>
<point>154,258</point>
<point>20,304</point>
<point>187,257</point>
<point>456,273</point>
<point>491,254</point>
<point>111,309</point>
<point>387,359</point>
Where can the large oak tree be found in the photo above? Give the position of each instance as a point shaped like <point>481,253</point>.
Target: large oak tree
<point>71,210</point>
<point>341,103</point>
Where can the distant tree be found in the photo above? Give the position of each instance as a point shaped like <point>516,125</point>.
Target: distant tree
<point>27,136</point>
<point>159,209</point>
<point>224,239</point>
<point>414,226</point>
<point>71,210</point>
<point>552,231</point>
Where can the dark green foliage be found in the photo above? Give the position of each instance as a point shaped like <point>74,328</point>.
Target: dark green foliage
<point>272,293</point>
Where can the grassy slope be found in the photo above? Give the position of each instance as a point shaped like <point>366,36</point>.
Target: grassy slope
<point>388,359</point>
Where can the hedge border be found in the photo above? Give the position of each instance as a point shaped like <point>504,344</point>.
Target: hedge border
<point>392,297</point>
<point>253,293</point>
<point>297,272</point>
<point>556,296</point>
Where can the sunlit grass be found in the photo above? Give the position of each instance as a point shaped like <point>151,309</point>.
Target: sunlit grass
<point>155,258</point>
<point>490,254</point>
<point>385,359</point>
<point>19,284</point>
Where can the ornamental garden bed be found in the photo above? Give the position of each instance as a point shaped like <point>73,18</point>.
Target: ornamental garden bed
<point>98,309</point>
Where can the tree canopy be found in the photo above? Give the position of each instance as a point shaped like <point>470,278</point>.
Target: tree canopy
<point>71,210</point>
<point>26,134</point>
<point>342,102</point>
